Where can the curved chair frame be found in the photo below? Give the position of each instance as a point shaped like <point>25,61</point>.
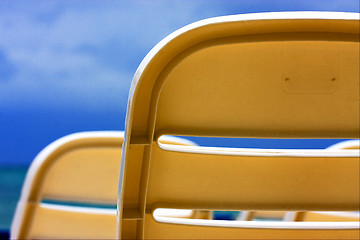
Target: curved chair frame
<point>36,188</point>
<point>73,178</point>
<point>256,75</point>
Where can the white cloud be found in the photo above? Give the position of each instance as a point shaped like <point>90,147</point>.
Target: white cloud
<point>51,70</point>
<point>43,41</point>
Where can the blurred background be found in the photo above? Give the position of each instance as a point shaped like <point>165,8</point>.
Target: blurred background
<point>66,66</point>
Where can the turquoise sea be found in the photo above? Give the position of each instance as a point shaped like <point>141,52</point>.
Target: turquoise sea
<point>11,180</point>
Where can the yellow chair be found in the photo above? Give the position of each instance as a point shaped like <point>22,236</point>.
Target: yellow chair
<point>331,216</point>
<point>309,216</point>
<point>272,75</point>
<point>70,190</point>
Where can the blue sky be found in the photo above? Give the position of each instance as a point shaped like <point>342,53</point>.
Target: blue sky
<point>66,66</point>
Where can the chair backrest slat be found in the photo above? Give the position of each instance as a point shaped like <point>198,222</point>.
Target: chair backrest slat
<point>252,180</point>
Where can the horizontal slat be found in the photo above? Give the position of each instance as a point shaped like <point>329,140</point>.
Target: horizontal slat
<point>156,230</point>
<point>72,223</point>
<point>208,181</point>
<point>88,174</point>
